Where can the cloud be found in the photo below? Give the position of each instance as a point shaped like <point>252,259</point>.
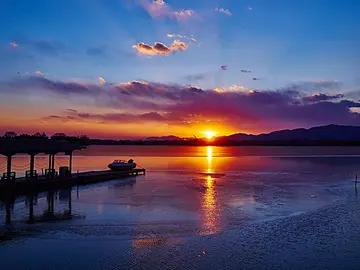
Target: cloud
<point>190,38</point>
<point>44,47</point>
<point>223,67</point>
<point>224,11</point>
<point>160,48</point>
<point>321,97</point>
<point>160,9</point>
<point>196,77</point>
<point>233,88</point>
<point>316,86</point>
<point>101,81</point>
<point>13,45</point>
<point>108,117</point>
<point>183,14</point>
<point>39,73</point>
<point>48,47</point>
<point>235,106</point>
<point>40,83</point>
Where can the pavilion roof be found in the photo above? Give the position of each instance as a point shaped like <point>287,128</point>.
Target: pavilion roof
<point>12,146</point>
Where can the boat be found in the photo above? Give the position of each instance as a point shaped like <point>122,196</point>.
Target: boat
<point>122,165</point>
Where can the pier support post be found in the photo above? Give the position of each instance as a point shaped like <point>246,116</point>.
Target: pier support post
<point>69,202</point>
<point>31,209</point>
<point>50,201</point>
<point>7,213</point>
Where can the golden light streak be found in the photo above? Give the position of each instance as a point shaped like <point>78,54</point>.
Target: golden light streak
<point>211,211</point>
<point>209,159</point>
<point>210,207</point>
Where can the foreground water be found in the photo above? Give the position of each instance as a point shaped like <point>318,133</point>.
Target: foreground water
<point>188,194</point>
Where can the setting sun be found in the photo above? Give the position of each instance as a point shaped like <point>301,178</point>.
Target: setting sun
<point>209,134</point>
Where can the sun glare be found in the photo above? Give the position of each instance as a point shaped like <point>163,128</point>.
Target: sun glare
<point>209,134</point>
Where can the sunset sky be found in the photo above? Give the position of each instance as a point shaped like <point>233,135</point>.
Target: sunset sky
<point>139,68</point>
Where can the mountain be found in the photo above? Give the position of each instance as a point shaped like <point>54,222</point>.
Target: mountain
<point>329,133</point>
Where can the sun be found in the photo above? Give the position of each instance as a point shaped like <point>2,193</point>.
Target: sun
<point>209,134</point>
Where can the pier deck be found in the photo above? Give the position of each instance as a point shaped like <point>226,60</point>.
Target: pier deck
<point>42,183</point>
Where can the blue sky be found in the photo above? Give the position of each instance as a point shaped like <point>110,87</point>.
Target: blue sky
<point>212,44</point>
<point>280,41</point>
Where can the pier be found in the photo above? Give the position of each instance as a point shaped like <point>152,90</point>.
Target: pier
<point>50,178</point>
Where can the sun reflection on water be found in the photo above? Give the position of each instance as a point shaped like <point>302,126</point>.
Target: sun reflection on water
<point>209,156</point>
<point>211,217</point>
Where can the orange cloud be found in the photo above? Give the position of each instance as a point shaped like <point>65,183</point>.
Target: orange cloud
<point>160,49</point>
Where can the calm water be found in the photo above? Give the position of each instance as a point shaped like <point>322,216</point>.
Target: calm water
<point>187,192</point>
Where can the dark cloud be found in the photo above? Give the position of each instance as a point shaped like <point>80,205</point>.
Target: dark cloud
<point>160,49</point>
<point>316,86</point>
<point>321,97</point>
<point>286,107</point>
<point>196,77</point>
<point>48,47</point>
<point>110,117</point>
<point>41,83</point>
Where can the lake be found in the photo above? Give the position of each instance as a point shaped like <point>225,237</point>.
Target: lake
<point>188,194</point>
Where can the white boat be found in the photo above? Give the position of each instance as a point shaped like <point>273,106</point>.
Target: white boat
<point>122,165</point>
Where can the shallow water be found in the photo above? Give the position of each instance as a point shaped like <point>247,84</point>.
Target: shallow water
<point>187,192</point>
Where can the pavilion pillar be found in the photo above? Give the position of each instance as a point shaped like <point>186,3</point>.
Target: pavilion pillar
<point>53,162</point>
<point>70,162</point>
<point>32,165</point>
<point>49,162</point>
<point>8,171</point>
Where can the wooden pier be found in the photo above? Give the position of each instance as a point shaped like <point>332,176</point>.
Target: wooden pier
<point>24,185</point>
<point>51,178</point>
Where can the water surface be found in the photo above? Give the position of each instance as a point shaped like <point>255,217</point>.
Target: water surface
<point>186,192</point>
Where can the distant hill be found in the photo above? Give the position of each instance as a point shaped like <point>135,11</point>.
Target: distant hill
<point>329,133</point>
<point>164,138</point>
<point>322,135</point>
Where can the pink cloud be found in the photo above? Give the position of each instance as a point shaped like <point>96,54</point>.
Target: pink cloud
<point>160,9</point>
<point>235,106</point>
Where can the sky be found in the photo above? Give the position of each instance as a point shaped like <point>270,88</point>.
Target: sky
<point>140,68</point>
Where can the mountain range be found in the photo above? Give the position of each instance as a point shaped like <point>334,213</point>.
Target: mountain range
<point>321,133</point>
<point>329,134</point>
